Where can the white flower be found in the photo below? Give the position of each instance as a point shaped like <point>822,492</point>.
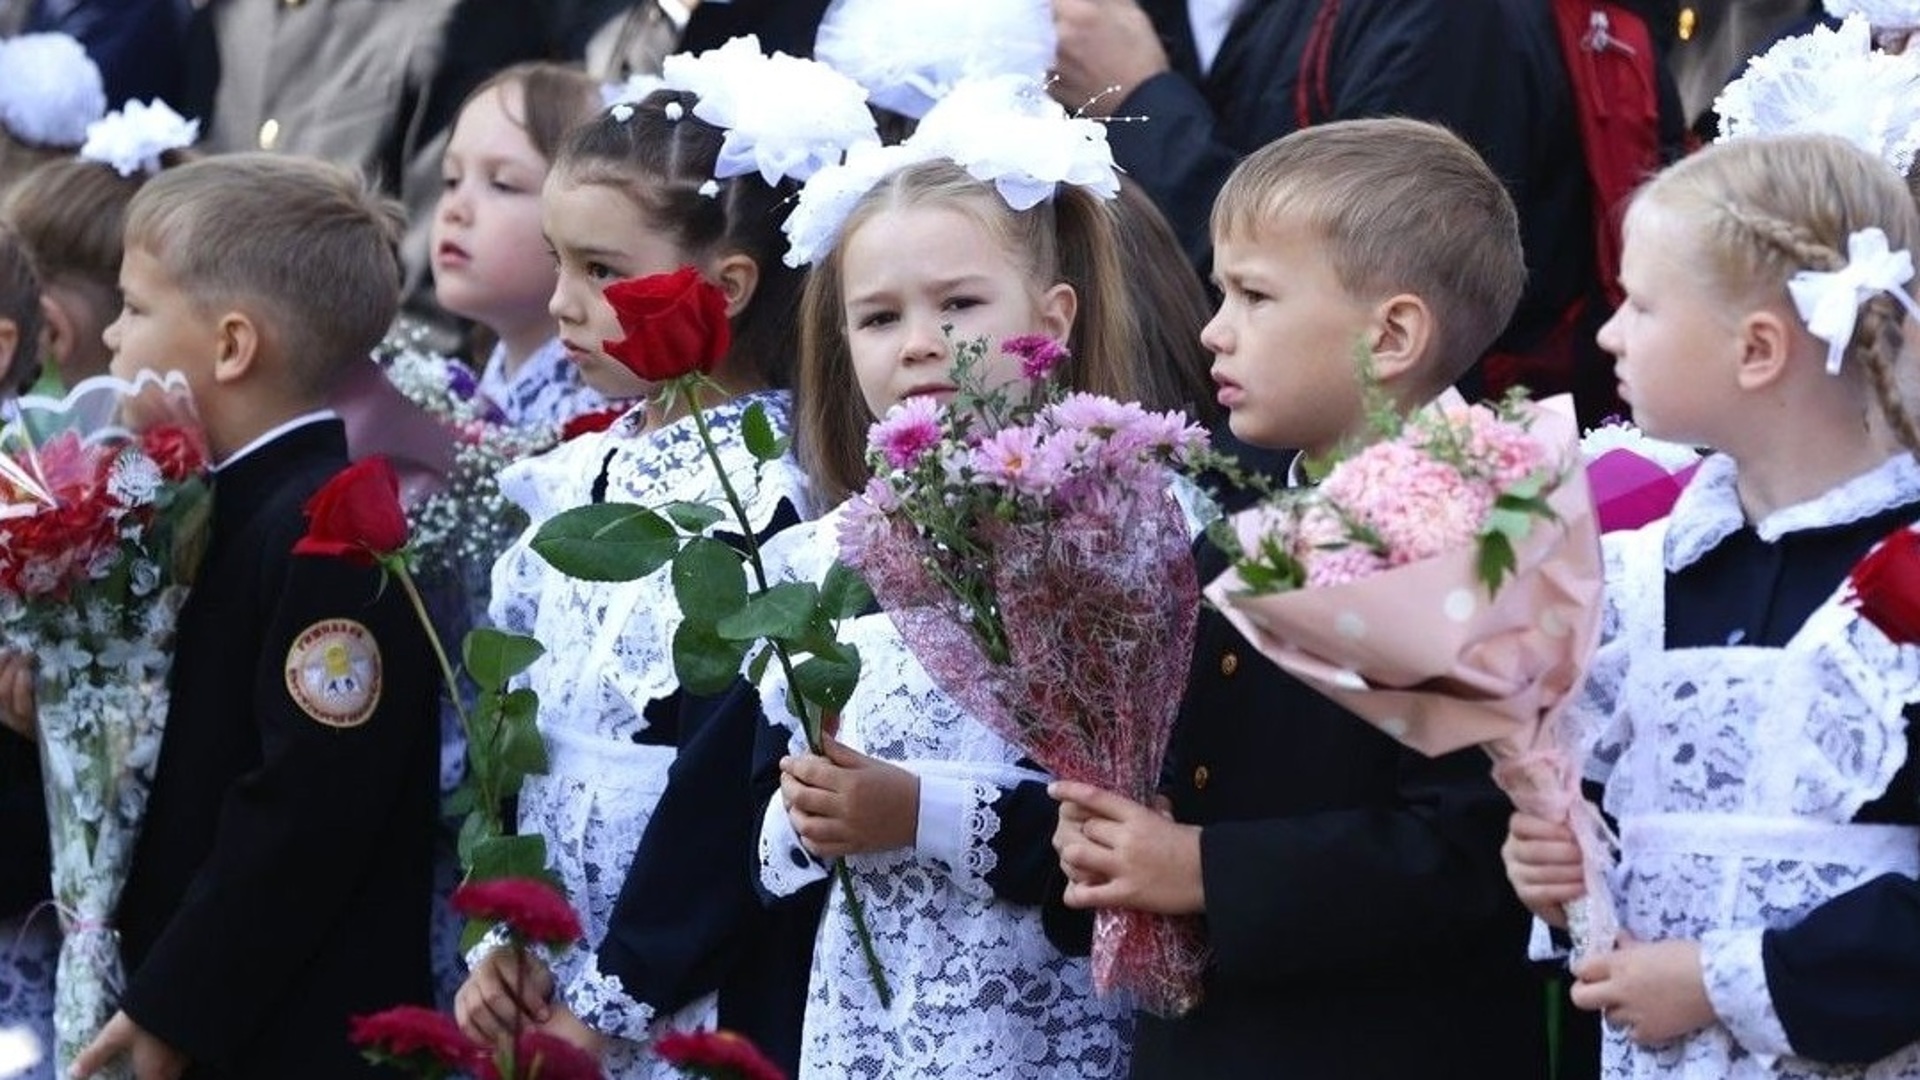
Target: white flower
<point>910,55</point>
<point>132,139</point>
<point>783,116</point>
<point>51,90</point>
<point>1004,129</point>
<point>134,479</point>
<point>1830,82</point>
<point>1670,456</point>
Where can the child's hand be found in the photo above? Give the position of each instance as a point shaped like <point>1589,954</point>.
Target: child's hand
<point>505,991</point>
<point>150,1058</point>
<point>843,802</point>
<point>1119,854</point>
<point>562,1024</point>
<point>17,708</point>
<point>1543,863</point>
<point>1653,991</point>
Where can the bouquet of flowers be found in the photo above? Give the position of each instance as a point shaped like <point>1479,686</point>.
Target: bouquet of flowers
<point>1635,480</point>
<point>1443,583</point>
<point>101,528</point>
<point>1034,558</point>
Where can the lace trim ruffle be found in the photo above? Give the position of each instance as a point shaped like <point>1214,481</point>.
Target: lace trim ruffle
<point>1708,510</point>
<point>602,1003</point>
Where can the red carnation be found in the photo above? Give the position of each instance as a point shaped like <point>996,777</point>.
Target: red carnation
<point>180,452</point>
<point>532,910</point>
<point>540,1056</point>
<point>589,422</point>
<point>675,324</point>
<point>716,1055</point>
<point>1885,586</point>
<point>416,1038</point>
<point>356,515</point>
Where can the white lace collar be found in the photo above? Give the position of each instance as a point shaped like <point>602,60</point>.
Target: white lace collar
<point>1708,511</point>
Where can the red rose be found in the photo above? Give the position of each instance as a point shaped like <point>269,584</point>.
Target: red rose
<point>1885,586</point>
<point>676,324</point>
<point>414,1037</point>
<point>589,422</point>
<point>718,1055</point>
<point>179,451</point>
<point>356,515</point>
<point>532,910</point>
<point>540,1056</point>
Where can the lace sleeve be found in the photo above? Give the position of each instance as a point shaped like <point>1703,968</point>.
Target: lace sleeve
<point>956,827</point>
<point>602,1003</point>
<point>1736,981</point>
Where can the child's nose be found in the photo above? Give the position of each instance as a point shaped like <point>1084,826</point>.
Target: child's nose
<point>1215,336</point>
<point>925,339</point>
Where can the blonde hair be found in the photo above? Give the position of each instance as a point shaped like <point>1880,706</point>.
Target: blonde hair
<point>72,214</point>
<point>1399,206</point>
<point>306,244</point>
<point>1069,238</point>
<point>1763,207</point>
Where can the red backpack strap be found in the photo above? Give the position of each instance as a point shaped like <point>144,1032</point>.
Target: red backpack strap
<point>1616,97</point>
<point>1312,98</point>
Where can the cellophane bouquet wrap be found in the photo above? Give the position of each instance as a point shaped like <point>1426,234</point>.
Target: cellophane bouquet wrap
<point>104,516</point>
<point>1033,557</point>
<point>1443,583</point>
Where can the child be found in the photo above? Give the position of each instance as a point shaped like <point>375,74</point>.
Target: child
<point>1752,731</point>
<point>1350,886</point>
<point>282,871</point>
<point>941,823</point>
<point>634,193</point>
<point>485,238</point>
<point>29,931</point>
<point>72,214</point>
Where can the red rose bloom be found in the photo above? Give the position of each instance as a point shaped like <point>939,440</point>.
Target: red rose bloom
<point>540,1056</point>
<point>531,910</point>
<point>179,451</point>
<point>1885,587</point>
<point>356,515</point>
<point>416,1037</point>
<point>717,1055</point>
<point>676,324</point>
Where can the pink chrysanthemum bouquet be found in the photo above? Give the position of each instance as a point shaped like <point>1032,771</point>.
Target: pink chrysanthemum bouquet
<point>1031,552</point>
<point>1443,583</point>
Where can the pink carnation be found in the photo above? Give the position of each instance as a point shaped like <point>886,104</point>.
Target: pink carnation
<point>1343,566</point>
<point>1507,452</point>
<point>1419,506</point>
<point>910,429</point>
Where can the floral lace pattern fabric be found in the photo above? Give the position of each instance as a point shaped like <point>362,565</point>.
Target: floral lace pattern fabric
<point>545,391</point>
<point>28,949</point>
<point>978,990</point>
<point>1735,772</point>
<point>609,646</point>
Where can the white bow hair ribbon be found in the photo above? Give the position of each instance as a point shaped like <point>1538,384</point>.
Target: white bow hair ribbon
<point>1829,301</point>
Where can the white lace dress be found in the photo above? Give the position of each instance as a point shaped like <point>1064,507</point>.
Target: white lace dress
<point>29,948</point>
<point>978,990</point>
<point>1735,772</point>
<point>546,390</point>
<point>608,656</point>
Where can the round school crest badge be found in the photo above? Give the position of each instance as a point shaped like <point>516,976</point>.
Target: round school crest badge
<point>333,672</point>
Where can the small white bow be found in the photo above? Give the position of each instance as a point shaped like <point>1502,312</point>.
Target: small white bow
<point>1829,301</point>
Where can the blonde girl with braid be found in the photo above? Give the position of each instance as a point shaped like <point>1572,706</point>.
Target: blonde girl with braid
<point>1751,731</point>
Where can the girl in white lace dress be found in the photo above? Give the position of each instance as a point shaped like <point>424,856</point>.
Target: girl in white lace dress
<point>1750,728</point>
<point>944,826</point>
<point>626,199</point>
<point>488,265</point>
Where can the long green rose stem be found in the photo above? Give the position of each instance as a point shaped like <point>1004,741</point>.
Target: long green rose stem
<point>809,722</point>
<point>396,564</point>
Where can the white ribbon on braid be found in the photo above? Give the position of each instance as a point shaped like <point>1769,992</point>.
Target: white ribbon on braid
<point>1829,300</point>
<point>783,116</point>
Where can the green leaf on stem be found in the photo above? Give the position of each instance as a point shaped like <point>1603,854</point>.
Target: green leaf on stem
<point>607,542</point>
<point>493,656</point>
<point>828,681</point>
<point>757,431</point>
<point>705,662</point>
<point>521,747</point>
<point>507,857</point>
<point>708,580</point>
<point>844,594</point>
<point>692,517</point>
<point>781,612</point>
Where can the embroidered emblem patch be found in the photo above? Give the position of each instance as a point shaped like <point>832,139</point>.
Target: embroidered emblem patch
<point>333,672</point>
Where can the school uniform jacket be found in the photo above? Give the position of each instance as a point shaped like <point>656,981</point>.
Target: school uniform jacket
<point>281,880</point>
<point>1360,921</point>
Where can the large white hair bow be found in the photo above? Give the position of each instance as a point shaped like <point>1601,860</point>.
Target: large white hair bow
<point>1830,82</point>
<point>1883,14</point>
<point>909,55</point>
<point>133,138</point>
<point>50,90</point>
<point>1829,301</point>
<point>783,116</point>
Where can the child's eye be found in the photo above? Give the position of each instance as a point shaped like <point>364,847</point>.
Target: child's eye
<point>503,185</point>
<point>962,303</point>
<point>600,271</point>
<point>874,319</point>
<point>449,182</point>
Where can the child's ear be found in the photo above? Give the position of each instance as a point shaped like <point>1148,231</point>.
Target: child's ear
<point>9,347</point>
<point>1766,347</point>
<point>738,276</point>
<point>237,346</point>
<point>57,334</point>
<point>1403,332</point>
<point>1058,306</point>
